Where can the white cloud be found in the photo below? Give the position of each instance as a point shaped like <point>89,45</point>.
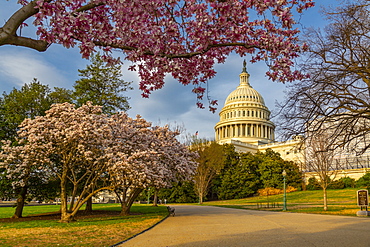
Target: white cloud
<point>22,67</point>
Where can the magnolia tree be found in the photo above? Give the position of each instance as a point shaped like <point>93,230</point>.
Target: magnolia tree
<point>145,156</point>
<point>67,143</point>
<point>182,38</point>
<point>89,152</point>
<point>22,165</point>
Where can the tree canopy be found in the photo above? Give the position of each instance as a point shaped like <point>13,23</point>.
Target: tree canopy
<point>337,91</point>
<point>210,160</point>
<point>31,100</point>
<point>181,38</point>
<point>101,84</point>
<point>87,152</point>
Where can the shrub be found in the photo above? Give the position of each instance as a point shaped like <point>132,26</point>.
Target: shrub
<point>364,181</point>
<point>348,182</point>
<point>337,184</point>
<point>274,191</point>
<point>313,184</point>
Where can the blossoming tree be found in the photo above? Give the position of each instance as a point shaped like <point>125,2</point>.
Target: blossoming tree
<point>182,38</point>
<point>66,143</point>
<point>89,152</point>
<point>145,156</point>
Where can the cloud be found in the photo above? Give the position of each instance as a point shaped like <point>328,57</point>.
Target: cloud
<point>20,67</point>
<point>175,103</point>
<point>199,120</point>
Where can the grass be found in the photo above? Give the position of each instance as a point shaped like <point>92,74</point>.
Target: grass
<point>340,202</point>
<point>95,231</point>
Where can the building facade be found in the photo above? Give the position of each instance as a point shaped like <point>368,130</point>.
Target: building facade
<point>245,123</point>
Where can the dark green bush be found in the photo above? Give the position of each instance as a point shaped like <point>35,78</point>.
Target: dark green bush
<point>337,184</point>
<point>364,181</point>
<point>348,182</point>
<point>313,184</point>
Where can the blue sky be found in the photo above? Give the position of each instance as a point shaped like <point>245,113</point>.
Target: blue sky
<point>174,104</point>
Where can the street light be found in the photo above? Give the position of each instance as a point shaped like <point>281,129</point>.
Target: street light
<point>284,200</point>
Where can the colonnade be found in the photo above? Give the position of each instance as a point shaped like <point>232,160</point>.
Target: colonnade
<point>245,130</point>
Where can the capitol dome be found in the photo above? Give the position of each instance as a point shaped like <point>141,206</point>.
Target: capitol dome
<point>244,92</point>
<point>245,116</point>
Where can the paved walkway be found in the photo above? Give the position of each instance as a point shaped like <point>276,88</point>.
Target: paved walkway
<point>215,226</point>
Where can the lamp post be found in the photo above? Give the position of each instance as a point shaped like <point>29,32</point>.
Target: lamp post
<point>284,199</point>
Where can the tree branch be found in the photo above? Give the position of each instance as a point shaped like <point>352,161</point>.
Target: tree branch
<point>8,34</point>
<point>181,55</point>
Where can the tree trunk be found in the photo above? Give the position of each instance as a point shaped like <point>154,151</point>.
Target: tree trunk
<point>155,198</point>
<point>128,201</point>
<point>325,200</point>
<point>200,198</point>
<point>125,209</point>
<point>66,216</point>
<point>89,205</point>
<point>20,203</point>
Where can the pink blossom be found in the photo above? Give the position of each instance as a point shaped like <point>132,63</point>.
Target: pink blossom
<point>181,38</point>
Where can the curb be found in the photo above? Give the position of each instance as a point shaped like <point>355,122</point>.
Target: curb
<point>124,241</point>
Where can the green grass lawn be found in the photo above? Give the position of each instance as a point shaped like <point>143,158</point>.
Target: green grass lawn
<point>92,231</point>
<point>340,202</point>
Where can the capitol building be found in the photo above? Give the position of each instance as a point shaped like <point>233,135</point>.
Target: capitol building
<point>245,123</point>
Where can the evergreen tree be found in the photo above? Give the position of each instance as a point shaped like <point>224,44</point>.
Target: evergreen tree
<point>270,168</point>
<point>240,180</point>
<point>100,83</point>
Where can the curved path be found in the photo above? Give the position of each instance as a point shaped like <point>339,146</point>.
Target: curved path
<point>216,226</point>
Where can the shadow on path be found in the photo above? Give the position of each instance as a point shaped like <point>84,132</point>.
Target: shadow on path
<point>216,226</point>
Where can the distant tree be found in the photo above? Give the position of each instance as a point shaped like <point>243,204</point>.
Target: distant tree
<point>181,192</point>
<point>31,100</point>
<point>339,85</point>
<point>231,160</point>
<point>270,168</point>
<point>342,183</point>
<point>322,159</point>
<point>249,172</point>
<point>210,162</point>
<point>101,84</point>
<point>240,180</point>
<point>313,184</point>
<point>182,38</point>
<point>364,181</point>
